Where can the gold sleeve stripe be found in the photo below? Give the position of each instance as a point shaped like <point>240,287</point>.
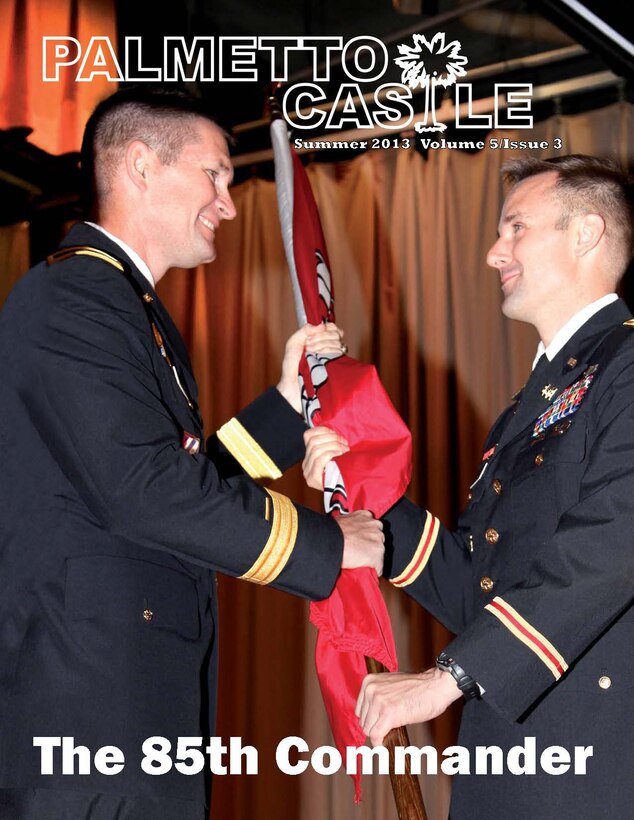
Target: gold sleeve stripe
<point>245,449</point>
<point>421,555</point>
<point>280,544</point>
<point>528,635</point>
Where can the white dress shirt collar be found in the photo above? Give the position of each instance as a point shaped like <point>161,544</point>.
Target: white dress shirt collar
<point>134,256</point>
<point>566,333</point>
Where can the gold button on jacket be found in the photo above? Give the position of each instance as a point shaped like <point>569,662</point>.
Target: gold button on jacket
<point>492,536</point>
<point>486,584</point>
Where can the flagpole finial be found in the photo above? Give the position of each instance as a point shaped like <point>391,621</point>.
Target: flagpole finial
<point>273,104</point>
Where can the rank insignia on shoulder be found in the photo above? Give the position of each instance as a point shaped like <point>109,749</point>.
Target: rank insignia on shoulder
<point>630,322</point>
<point>566,404</point>
<point>190,443</point>
<point>84,250</point>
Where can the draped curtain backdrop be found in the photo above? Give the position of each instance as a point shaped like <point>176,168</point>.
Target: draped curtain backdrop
<point>407,239</point>
<point>56,111</point>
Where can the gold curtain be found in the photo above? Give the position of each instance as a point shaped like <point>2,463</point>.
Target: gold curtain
<point>407,238</point>
<point>56,111</point>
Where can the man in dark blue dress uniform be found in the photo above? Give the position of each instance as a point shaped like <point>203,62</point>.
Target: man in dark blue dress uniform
<point>115,511</point>
<point>537,582</point>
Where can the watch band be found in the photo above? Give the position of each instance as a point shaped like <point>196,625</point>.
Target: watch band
<point>466,683</point>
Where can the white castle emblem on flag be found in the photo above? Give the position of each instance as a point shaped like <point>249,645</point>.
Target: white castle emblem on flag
<point>445,66</point>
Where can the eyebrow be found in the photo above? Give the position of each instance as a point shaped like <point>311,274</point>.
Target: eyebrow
<point>510,217</point>
<point>228,169</point>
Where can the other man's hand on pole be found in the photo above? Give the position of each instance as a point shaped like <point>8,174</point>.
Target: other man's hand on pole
<point>387,701</point>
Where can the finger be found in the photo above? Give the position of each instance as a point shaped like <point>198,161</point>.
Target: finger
<point>314,480</point>
<point>320,461</point>
<point>361,699</point>
<point>318,457</point>
<point>322,432</point>
<point>327,340</point>
<point>313,470</point>
<point>367,704</point>
<point>314,474</point>
<point>323,332</point>
<point>364,514</point>
<point>313,433</point>
<point>336,328</point>
<point>377,736</point>
<point>326,450</point>
<point>325,437</point>
<point>316,431</point>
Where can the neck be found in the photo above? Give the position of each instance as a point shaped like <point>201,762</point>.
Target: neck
<point>581,313</point>
<point>125,228</point>
<point>553,321</point>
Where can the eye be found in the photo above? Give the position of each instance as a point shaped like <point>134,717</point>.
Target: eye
<point>517,226</point>
<point>213,175</point>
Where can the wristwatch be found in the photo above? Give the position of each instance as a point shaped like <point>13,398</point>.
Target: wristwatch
<point>466,683</point>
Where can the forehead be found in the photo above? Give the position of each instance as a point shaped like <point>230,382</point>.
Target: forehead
<point>533,196</point>
<point>210,147</point>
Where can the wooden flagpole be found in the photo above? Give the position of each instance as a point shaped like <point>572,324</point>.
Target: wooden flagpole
<point>406,787</point>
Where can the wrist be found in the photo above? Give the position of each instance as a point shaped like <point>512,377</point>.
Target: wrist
<point>289,389</point>
<point>465,684</point>
<point>447,685</point>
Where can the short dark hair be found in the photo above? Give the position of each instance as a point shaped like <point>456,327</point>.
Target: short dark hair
<point>586,184</point>
<point>163,119</point>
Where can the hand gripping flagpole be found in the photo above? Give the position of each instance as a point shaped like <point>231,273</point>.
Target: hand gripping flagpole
<point>354,629</point>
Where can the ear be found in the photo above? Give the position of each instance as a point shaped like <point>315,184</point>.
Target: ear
<point>138,160</point>
<point>590,229</point>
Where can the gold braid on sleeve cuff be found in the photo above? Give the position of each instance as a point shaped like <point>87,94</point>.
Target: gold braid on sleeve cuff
<point>245,449</point>
<point>280,543</point>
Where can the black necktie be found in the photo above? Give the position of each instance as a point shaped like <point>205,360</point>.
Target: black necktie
<point>537,375</point>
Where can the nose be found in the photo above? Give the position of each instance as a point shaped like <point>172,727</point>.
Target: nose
<point>224,204</point>
<point>498,254</point>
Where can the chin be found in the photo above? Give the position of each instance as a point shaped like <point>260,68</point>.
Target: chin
<point>518,314</point>
<point>511,310</point>
<point>208,255</point>
<point>202,258</point>
<point>209,258</point>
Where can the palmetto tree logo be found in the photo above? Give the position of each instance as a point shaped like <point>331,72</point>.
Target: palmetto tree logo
<point>445,64</point>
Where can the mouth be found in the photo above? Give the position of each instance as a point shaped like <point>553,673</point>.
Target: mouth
<point>208,224</point>
<point>507,275</point>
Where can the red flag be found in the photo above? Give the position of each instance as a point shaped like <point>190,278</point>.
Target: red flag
<point>348,396</point>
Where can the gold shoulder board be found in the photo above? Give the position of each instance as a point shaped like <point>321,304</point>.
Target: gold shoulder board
<point>84,250</point>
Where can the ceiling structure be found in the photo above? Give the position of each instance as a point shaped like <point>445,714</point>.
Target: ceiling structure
<point>577,55</point>
<point>574,58</point>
